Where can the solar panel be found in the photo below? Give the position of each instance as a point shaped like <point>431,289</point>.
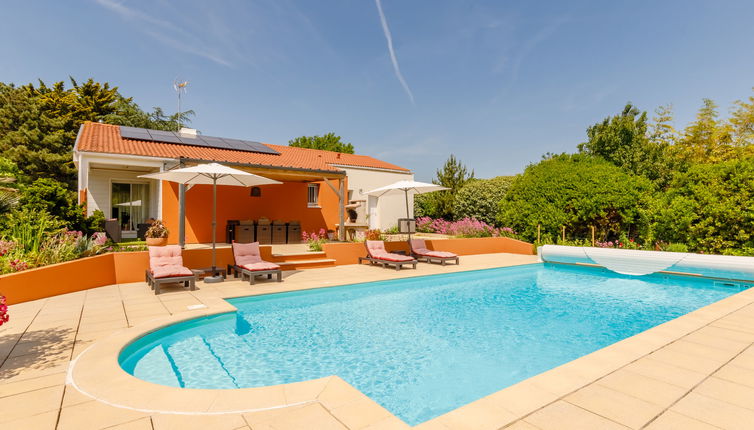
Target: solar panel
<point>216,142</point>
<point>198,140</point>
<point>260,147</point>
<point>236,144</point>
<point>172,138</point>
<point>156,133</point>
<point>135,133</point>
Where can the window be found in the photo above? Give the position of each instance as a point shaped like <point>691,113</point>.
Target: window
<point>313,196</point>
<point>129,203</point>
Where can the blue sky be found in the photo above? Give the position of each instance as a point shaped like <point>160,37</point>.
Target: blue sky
<point>498,83</point>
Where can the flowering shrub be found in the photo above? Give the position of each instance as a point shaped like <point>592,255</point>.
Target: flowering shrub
<point>466,227</point>
<point>17,265</point>
<point>623,242</point>
<point>99,238</point>
<point>6,247</point>
<point>423,224</point>
<point>315,240</point>
<point>53,247</point>
<point>3,310</point>
<point>373,235</point>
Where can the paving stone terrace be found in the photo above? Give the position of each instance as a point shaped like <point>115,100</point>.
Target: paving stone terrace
<point>695,372</point>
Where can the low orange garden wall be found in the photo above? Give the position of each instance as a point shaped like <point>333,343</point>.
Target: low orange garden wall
<point>77,275</point>
<point>349,253</point>
<point>98,271</point>
<point>125,267</point>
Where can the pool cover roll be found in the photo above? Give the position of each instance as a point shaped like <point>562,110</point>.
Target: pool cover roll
<point>636,262</point>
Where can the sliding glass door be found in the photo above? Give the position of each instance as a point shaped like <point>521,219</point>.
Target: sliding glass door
<point>129,204</point>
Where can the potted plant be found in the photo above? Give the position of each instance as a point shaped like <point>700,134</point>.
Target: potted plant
<point>157,234</point>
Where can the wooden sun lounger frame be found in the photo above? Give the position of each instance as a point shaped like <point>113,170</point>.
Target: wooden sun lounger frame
<point>430,258</point>
<point>398,264</point>
<point>236,270</point>
<point>154,283</point>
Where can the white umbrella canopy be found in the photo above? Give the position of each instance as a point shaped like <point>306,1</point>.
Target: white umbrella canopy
<point>212,174</point>
<point>406,187</point>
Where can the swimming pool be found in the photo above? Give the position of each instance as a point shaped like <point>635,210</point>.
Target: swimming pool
<point>418,346</point>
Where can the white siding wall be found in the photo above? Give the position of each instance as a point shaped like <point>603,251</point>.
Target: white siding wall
<point>389,207</point>
<point>99,189</point>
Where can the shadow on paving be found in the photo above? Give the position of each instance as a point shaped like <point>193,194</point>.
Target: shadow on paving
<point>37,350</point>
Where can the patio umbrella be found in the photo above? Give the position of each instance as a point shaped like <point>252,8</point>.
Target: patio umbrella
<point>406,187</point>
<point>215,174</point>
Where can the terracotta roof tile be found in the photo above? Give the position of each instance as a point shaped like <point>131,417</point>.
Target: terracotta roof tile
<point>106,138</point>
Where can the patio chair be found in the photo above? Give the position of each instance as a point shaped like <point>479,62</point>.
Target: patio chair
<point>248,262</point>
<point>421,253</point>
<point>377,254</point>
<point>166,266</point>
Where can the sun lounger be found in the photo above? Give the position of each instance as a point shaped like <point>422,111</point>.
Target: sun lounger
<point>376,254</point>
<point>421,253</point>
<point>166,266</point>
<point>248,262</point>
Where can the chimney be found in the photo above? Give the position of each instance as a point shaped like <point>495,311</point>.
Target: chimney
<point>188,131</point>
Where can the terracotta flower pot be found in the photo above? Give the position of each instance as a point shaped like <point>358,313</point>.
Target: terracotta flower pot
<point>157,241</point>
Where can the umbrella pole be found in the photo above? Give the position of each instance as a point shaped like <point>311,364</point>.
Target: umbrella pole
<point>214,276</point>
<point>214,223</point>
<point>407,215</point>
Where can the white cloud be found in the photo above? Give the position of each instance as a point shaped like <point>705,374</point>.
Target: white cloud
<point>393,59</point>
<point>166,32</point>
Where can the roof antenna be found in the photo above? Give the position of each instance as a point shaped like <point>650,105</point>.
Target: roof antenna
<point>180,86</point>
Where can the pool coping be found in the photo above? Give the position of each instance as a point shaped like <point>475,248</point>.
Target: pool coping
<point>96,373</point>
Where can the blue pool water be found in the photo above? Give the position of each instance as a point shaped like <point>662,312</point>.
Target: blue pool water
<point>420,346</point>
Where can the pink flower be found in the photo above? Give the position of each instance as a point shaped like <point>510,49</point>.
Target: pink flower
<point>99,238</point>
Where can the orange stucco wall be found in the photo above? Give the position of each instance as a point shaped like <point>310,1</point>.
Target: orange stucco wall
<point>285,202</point>
<point>82,274</point>
<point>349,253</point>
<point>125,267</point>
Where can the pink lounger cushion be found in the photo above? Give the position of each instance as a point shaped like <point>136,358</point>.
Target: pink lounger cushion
<point>262,265</point>
<point>247,255</point>
<point>171,272</point>
<point>438,254</point>
<point>420,248</point>
<point>376,249</point>
<point>167,262</point>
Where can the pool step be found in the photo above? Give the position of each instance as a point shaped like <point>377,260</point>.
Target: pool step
<point>297,256</point>
<point>202,363</point>
<point>306,264</point>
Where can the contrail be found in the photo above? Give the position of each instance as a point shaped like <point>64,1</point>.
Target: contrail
<point>389,38</point>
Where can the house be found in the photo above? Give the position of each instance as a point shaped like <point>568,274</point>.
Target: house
<point>111,158</point>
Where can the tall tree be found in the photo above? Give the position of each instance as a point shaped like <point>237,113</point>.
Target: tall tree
<point>623,140</point>
<point>708,139</point>
<point>39,123</point>
<point>661,130</point>
<point>453,175</point>
<point>742,123</point>
<point>328,142</point>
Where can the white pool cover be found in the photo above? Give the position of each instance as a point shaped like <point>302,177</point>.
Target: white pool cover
<point>635,262</point>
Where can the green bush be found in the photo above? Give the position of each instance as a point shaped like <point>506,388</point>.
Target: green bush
<point>676,247</point>
<point>710,207</point>
<point>480,199</point>
<point>28,228</point>
<point>576,191</point>
<point>55,198</point>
